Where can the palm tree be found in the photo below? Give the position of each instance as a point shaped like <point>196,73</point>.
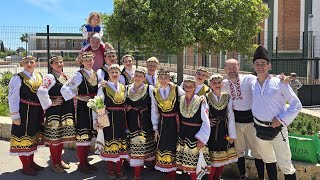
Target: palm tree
<point>24,38</point>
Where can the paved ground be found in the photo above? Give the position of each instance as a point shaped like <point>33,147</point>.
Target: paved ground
<point>10,167</point>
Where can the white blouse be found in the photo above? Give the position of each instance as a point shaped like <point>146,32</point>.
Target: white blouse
<point>14,93</point>
<point>70,89</point>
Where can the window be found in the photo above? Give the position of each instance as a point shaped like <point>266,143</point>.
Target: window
<point>74,44</point>
<point>62,43</point>
<point>53,44</point>
<point>44,43</point>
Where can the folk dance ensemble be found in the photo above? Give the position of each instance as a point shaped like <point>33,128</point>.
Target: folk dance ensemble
<point>115,149</point>
<point>270,95</point>
<point>166,122</point>
<point>109,59</point>
<point>201,76</point>
<point>27,115</point>
<point>127,72</point>
<point>83,86</point>
<point>151,76</point>
<point>59,126</point>
<point>194,129</point>
<point>141,135</point>
<point>222,151</point>
<point>239,88</point>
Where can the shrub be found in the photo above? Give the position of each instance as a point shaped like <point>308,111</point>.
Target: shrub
<point>305,124</point>
<point>4,89</point>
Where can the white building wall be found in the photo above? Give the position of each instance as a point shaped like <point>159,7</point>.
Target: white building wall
<point>316,26</point>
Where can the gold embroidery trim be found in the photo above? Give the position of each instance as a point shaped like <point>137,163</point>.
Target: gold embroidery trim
<point>218,105</point>
<point>129,78</point>
<point>92,80</point>
<point>188,112</point>
<point>116,97</point>
<point>60,78</point>
<point>166,105</point>
<point>135,96</point>
<point>203,90</point>
<point>32,84</point>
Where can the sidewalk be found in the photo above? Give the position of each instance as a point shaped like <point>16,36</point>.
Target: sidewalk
<point>10,166</point>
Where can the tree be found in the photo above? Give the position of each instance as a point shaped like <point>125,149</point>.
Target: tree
<point>20,50</point>
<point>167,27</point>
<point>24,38</point>
<point>1,46</point>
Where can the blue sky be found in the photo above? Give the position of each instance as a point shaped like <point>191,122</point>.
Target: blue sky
<point>32,16</point>
<point>58,13</point>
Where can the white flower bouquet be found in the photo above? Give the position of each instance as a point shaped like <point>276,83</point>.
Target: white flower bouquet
<point>97,104</point>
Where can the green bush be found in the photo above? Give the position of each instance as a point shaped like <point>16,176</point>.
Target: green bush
<point>4,89</point>
<point>305,124</point>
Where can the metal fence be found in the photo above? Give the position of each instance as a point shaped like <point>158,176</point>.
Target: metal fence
<point>300,54</point>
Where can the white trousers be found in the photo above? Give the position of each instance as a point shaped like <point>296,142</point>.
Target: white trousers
<point>277,150</point>
<point>246,139</point>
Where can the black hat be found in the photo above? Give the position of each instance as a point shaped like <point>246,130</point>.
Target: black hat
<point>261,53</point>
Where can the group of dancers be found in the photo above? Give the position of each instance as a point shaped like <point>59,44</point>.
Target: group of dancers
<point>153,121</point>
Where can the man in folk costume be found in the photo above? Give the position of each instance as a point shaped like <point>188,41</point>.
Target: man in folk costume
<point>166,123</point>
<point>27,115</point>
<point>194,129</point>
<point>83,86</point>
<point>239,88</point>
<point>141,135</point>
<point>59,126</point>
<point>201,76</point>
<point>151,76</point>
<point>223,133</point>
<point>114,95</point>
<point>127,72</point>
<point>271,116</point>
<point>110,58</point>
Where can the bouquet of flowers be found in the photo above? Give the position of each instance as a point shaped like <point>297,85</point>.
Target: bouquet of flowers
<point>97,104</point>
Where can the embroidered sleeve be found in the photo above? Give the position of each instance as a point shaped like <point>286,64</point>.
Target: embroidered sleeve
<point>69,90</point>
<point>154,109</point>
<point>231,121</point>
<point>14,96</point>
<point>204,133</point>
<point>43,92</point>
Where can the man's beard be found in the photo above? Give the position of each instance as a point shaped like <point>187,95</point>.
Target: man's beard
<point>233,75</point>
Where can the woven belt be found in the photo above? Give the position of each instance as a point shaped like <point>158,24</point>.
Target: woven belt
<point>173,115</point>
<point>140,116</point>
<point>116,108</point>
<point>30,102</point>
<point>90,95</point>
<point>190,124</point>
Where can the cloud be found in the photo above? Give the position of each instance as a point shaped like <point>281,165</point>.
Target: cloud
<point>47,5</point>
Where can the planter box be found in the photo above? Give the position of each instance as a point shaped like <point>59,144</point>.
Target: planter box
<point>304,148</point>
